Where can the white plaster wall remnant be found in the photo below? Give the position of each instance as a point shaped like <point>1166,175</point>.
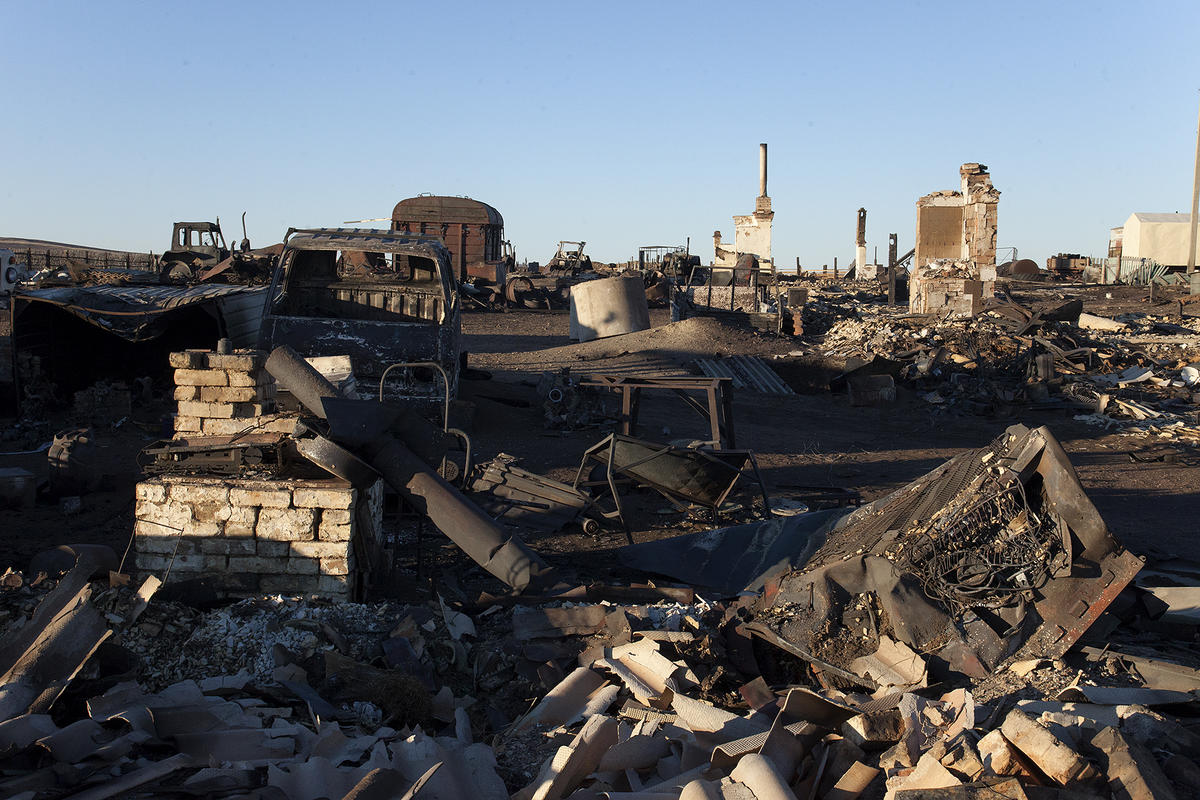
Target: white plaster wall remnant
<point>751,232</point>
<point>974,226</point>
<point>723,256</point>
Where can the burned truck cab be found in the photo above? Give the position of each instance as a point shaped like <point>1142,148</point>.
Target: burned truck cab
<point>379,297</point>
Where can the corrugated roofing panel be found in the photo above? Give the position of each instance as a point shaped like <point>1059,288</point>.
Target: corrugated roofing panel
<point>745,371</point>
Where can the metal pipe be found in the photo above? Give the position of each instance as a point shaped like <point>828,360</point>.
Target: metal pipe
<point>762,169</point>
<point>458,518</point>
<point>463,522</point>
<point>307,385</point>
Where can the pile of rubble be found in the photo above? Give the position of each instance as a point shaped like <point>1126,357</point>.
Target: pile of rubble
<point>1135,371</point>
<point>930,644</point>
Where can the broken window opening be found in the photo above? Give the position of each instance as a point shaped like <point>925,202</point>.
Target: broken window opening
<point>363,285</point>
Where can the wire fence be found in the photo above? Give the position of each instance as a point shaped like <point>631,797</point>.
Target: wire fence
<point>54,258</point>
<point>1123,269</point>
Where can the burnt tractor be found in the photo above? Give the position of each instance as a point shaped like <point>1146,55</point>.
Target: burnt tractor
<point>198,253</point>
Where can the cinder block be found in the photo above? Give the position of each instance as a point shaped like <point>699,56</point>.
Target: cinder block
<point>211,512</point>
<point>188,424</point>
<point>149,539</point>
<point>252,409</point>
<point>323,498</point>
<point>285,524</point>
<point>195,528</point>
<point>241,521</point>
<point>319,549</point>
<point>201,377</point>
<point>189,392</point>
<point>269,549</point>
<point>150,561</point>
<point>267,498</point>
<point>303,566</point>
<point>335,566</point>
<point>267,423</point>
<point>331,516</point>
<point>258,564</point>
<point>244,361</point>
<point>334,533</point>
<point>286,424</point>
<point>228,427</point>
<point>188,359</point>
<point>242,584</point>
<point>224,410</point>
<point>167,517</point>
<point>234,394</point>
<point>195,408</point>
<point>260,378</point>
<point>206,493</point>
<point>194,562</point>
<point>225,546</point>
<point>334,584</point>
<point>151,491</point>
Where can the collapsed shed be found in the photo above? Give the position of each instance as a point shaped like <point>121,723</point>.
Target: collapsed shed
<point>75,335</point>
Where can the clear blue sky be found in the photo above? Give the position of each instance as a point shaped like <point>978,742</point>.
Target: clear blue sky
<point>623,124</point>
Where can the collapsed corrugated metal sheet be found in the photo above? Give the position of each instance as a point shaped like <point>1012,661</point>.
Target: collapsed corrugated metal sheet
<point>738,558</point>
<point>138,313</point>
<point>746,372</point>
<point>995,552</point>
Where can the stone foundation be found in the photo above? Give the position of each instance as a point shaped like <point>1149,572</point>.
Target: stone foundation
<point>261,536</point>
<point>955,287</point>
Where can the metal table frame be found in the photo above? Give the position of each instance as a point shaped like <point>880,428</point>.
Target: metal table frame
<point>718,410</point>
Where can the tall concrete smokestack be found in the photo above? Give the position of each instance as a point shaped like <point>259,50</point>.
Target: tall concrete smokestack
<point>860,242</point>
<point>762,170</point>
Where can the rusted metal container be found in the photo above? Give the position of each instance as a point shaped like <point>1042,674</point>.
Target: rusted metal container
<point>472,231</point>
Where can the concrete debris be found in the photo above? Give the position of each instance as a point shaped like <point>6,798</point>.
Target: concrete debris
<point>654,716</point>
<point>281,623</point>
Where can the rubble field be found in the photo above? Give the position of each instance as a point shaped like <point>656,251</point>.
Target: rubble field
<point>916,556</point>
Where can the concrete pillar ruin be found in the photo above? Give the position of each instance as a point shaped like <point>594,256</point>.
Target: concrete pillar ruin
<point>962,225</point>
<point>860,243</point>
<point>752,232</point>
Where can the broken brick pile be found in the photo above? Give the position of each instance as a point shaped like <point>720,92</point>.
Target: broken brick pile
<point>224,394</point>
<point>957,287</point>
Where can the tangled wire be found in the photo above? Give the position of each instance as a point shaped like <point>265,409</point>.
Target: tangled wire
<point>986,554</point>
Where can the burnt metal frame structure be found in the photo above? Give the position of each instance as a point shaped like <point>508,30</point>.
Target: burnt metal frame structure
<point>754,281</point>
<point>719,411</point>
<point>593,453</point>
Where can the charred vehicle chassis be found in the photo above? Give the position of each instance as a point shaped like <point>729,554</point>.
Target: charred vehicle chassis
<point>381,297</point>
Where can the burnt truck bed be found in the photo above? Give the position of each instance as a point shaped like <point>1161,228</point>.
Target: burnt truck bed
<point>379,297</point>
